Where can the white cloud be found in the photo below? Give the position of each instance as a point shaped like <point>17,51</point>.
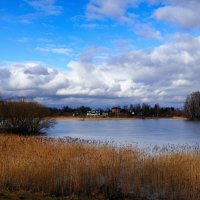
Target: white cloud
<point>122,11</point>
<point>47,7</point>
<point>165,74</point>
<point>4,73</point>
<point>148,31</point>
<point>36,70</point>
<point>99,9</point>
<point>183,13</point>
<point>41,8</point>
<point>55,50</point>
<point>181,82</point>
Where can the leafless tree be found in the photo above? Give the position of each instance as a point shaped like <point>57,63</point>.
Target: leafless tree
<point>23,117</point>
<point>192,106</point>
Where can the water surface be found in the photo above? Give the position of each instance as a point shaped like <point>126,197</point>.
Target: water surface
<point>142,132</point>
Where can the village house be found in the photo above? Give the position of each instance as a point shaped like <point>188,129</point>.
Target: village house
<point>93,113</point>
<point>116,110</point>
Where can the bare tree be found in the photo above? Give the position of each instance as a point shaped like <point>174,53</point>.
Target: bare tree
<point>25,118</point>
<point>192,106</point>
<point>156,110</point>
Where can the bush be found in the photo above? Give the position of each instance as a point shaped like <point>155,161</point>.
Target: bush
<point>192,106</point>
<point>25,118</point>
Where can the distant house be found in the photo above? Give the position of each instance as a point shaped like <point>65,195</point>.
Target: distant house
<point>116,110</point>
<point>93,113</point>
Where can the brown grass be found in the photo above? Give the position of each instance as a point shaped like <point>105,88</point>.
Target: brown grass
<point>66,166</point>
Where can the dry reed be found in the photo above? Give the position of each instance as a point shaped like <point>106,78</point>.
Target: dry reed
<point>67,166</point>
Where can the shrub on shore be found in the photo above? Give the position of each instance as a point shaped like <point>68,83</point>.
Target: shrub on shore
<point>24,118</point>
<point>65,167</point>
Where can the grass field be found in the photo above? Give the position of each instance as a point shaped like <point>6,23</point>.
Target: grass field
<point>73,168</point>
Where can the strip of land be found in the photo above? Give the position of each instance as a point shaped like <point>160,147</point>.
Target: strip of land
<point>111,118</point>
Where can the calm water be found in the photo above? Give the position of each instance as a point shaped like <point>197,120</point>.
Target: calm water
<point>141,132</point>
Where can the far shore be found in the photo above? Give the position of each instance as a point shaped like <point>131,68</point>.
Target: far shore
<point>63,118</point>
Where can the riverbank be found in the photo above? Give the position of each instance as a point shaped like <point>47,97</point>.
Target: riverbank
<point>63,118</point>
<point>94,170</point>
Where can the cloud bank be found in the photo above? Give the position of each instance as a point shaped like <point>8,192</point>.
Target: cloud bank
<point>165,74</point>
<point>183,13</point>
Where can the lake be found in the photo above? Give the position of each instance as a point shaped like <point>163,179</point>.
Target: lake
<point>138,132</point>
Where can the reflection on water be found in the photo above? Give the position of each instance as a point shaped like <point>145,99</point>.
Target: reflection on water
<point>151,132</point>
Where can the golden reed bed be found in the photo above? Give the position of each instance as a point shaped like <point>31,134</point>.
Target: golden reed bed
<point>67,166</point>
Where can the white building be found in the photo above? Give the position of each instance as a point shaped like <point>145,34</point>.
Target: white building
<point>93,113</point>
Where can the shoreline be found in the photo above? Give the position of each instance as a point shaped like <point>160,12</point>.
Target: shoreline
<point>63,118</point>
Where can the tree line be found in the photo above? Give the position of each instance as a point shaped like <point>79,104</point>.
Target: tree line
<point>190,110</point>
<point>142,110</point>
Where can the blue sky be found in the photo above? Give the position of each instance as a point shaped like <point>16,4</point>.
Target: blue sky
<point>99,52</point>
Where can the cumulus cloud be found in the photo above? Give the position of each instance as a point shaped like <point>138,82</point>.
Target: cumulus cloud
<point>165,74</point>
<point>183,13</point>
<point>123,12</point>
<point>31,79</point>
<point>99,9</point>
<point>36,70</point>
<point>4,73</point>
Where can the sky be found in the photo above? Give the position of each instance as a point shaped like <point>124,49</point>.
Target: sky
<point>100,53</point>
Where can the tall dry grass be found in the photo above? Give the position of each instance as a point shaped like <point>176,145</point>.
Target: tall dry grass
<point>67,166</point>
